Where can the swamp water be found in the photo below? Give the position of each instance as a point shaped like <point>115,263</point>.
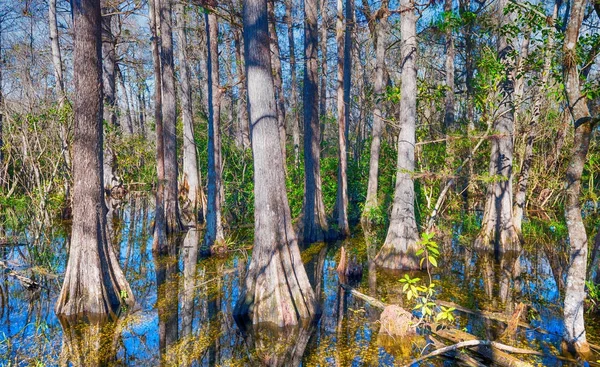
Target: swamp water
<point>186,317</point>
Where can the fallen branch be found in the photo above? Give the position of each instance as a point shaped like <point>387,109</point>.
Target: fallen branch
<point>488,315</point>
<point>470,343</point>
<point>27,282</point>
<point>463,357</point>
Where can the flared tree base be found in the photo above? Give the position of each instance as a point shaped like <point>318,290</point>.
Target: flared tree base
<point>277,290</point>
<point>577,349</point>
<point>391,257</point>
<point>503,241</point>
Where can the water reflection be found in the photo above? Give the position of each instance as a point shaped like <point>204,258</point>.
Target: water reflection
<point>167,299</point>
<point>89,343</point>
<point>186,305</point>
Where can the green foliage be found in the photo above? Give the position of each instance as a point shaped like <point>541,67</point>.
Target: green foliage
<point>423,293</point>
<point>238,181</point>
<point>135,159</point>
<point>429,248</point>
<point>593,296</point>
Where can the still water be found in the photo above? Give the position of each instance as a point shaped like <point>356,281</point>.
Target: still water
<point>184,307</point>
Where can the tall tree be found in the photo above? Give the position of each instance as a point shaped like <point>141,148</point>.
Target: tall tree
<point>214,227</point>
<point>243,126</point>
<point>55,46</point>
<point>289,19</point>
<point>344,43</point>
<point>315,223</point>
<point>323,46</point>
<point>169,115</point>
<point>497,230</point>
<point>399,249</point>
<point>378,89</point>
<point>277,289</point>
<point>521,194</point>
<point>109,64</point>
<point>277,75</point>
<point>94,282</point>
<point>159,238</point>
<point>575,335</point>
<point>450,53</point>
<point>191,173</point>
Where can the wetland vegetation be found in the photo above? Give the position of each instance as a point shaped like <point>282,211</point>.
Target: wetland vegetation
<point>299,183</point>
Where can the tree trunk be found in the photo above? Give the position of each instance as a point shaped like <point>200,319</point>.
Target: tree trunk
<point>243,125</point>
<point>55,46</point>
<point>378,89</point>
<point>214,227</point>
<point>109,63</point>
<point>323,45</point>
<point>159,237</point>
<point>450,53</point>
<point>277,289</point>
<point>575,336</point>
<point>293,82</point>
<point>464,9</point>
<point>94,283</point>
<point>191,173</point>
<point>277,79</point>
<point>521,195</point>
<point>343,68</point>
<point>169,115</point>
<point>498,231</point>
<point>315,224</point>
<point>128,116</point>
<point>399,249</point>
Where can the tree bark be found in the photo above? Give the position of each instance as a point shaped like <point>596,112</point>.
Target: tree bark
<point>94,283</point>
<point>293,82</point>
<point>243,125</point>
<point>449,117</point>
<point>521,194</point>
<point>109,63</point>
<point>55,46</point>
<point>323,45</point>
<point>575,335</point>
<point>128,116</point>
<point>315,224</point>
<point>276,289</point>
<point>498,231</point>
<point>159,238</point>
<point>214,227</point>
<point>191,173</point>
<point>277,78</point>
<point>343,68</point>
<point>380,47</point>
<point>169,115</point>
<point>399,249</point>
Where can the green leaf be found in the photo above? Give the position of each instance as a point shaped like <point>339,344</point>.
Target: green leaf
<point>433,261</point>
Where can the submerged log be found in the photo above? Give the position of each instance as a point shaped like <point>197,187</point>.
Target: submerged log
<point>463,357</point>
